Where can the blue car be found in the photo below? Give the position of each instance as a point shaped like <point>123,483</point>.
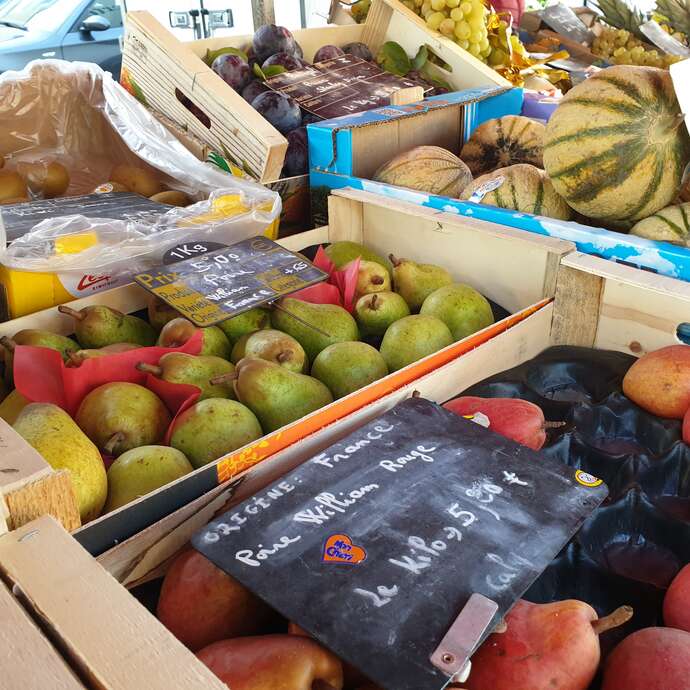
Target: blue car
<point>84,30</point>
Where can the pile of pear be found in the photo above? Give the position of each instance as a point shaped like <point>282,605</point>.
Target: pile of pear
<point>256,373</point>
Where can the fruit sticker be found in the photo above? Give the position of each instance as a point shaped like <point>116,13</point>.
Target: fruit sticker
<point>587,479</point>
<point>340,549</point>
<point>479,418</point>
<point>484,189</point>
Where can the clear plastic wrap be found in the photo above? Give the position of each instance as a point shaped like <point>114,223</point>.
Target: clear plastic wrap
<point>74,113</point>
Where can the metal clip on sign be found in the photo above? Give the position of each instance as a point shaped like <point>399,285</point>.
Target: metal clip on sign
<point>452,656</point>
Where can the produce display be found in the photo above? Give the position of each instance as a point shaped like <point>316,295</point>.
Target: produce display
<point>47,179</point>
<point>612,154</point>
<point>591,621</point>
<point>162,397</point>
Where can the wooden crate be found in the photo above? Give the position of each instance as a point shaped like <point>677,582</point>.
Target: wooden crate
<point>160,70</point>
<point>102,632</point>
<point>597,304</point>
<point>515,269</point>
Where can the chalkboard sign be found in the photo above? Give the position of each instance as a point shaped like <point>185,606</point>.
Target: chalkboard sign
<point>18,219</point>
<point>375,545</point>
<point>214,286</point>
<point>341,86</point>
<point>564,21</point>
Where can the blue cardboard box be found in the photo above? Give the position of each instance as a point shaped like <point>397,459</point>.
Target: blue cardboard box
<point>346,151</point>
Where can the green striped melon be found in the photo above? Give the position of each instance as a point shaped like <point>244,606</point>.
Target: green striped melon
<point>524,188</point>
<point>671,224</point>
<point>616,146</point>
<point>427,169</point>
<point>504,141</point>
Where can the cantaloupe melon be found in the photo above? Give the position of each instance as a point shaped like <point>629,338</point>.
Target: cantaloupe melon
<point>671,224</point>
<point>504,141</point>
<point>523,188</point>
<point>616,146</point>
<point>429,169</point>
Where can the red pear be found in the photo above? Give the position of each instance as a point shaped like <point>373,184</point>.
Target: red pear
<point>519,420</point>
<point>546,647</point>
<point>201,604</point>
<point>650,659</point>
<point>273,662</point>
<point>659,382</point>
<point>677,601</point>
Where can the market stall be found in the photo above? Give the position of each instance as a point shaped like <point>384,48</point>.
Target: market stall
<point>351,358</point>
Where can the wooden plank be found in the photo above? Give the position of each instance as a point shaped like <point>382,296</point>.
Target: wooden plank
<point>108,635</point>
<point>29,487</point>
<point>412,94</point>
<point>345,219</point>
<point>576,307</point>
<point>480,251</point>
<point>27,659</point>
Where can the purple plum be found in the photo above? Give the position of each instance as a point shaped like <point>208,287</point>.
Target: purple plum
<point>360,50</point>
<point>297,156</point>
<point>253,89</point>
<point>286,60</point>
<point>270,39</point>
<point>327,53</point>
<point>280,110</point>
<point>233,70</point>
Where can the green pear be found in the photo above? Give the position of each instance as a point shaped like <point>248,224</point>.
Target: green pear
<point>371,277</point>
<point>274,346</point>
<point>177,332</point>
<point>412,338</point>
<point>119,416</point>
<point>213,428</point>
<point>36,338</point>
<point>461,308</point>
<point>142,470</point>
<point>11,407</point>
<point>276,395</point>
<point>415,282</point>
<point>194,370</point>
<point>98,326</point>
<point>159,313</point>
<point>53,433</point>
<point>375,312</point>
<point>341,253</point>
<point>246,322</point>
<point>347,367</point>
<point>329,324</point>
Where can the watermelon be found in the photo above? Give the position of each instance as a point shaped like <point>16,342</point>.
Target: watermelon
<point>671,224</point>
<point>616,146</point>
<point>429,169</point>
<point>521,187</point>
<point>504,141</point>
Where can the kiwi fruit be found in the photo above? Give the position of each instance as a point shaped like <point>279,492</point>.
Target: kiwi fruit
<point>172,197</point>
<point>107,187</point>
<point>12,186</point>
<point>138,180</point>
<point>45,180</point>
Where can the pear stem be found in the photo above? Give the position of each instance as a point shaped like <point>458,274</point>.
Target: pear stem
<point>74,359</point>
<point>302,321</point>
<point>8,343</point>
<point>553,425</point>
<point>614,620</point>
<point>223,378</point>
<point>109,446</point>
<point>501,627</point>
<point>78,315</point>
<point>393,260</point>
<point>374,300</point>
<point>149,369</point>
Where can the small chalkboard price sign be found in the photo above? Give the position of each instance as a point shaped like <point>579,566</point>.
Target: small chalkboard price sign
<point>213,286</point>
<point>377,545</point>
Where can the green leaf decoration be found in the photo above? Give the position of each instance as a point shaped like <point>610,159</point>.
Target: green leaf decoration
<point>258,72</point>
<point>211,55</point>
<point>393,58</point>
<point>272,70</point>
<point>420,58</point>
